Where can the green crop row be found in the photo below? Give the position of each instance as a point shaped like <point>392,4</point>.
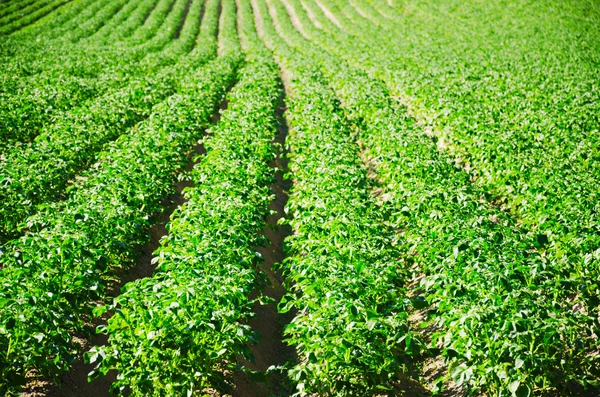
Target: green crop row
<point>177,332</point>
<point>12,7</point>
<point>50,278</point>
<point>344,278</point>
<point>506,319</point>
<point>23,62</point>
<point>30,107</point>
<point>70,143</point>
<point>137,18</point>
<point>96,17</point>
<point>535,146</point>
<point>99,32</point>
<point>522,124</point>
<point>206,266</point>
<point>37,84</point>
<point>37,36</point>
<point>444,207</point>
<point>28,15</point>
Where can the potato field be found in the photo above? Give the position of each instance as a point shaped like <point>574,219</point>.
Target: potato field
<point>276,198</point>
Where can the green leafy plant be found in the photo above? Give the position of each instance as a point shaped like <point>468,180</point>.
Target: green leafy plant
<point>51,278</point>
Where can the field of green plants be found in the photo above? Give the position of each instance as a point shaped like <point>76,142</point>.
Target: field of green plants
<point>285,198</point>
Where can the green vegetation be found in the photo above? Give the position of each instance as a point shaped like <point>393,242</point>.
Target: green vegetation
<point>497,326</point>
<point>442,171</point>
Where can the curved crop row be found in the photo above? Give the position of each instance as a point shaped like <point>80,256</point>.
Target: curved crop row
<point>37,36</point>
<point>523,126</point>
<point>61,57</point>
<point>96,20</point>
<point>30,15</point>
<point>70,143</point>
<point>137,18</point>
<point>109,25</point>
<point>20,13</point>
<point>24,115</point>
<point>40,83</point>
<point>487,278</point>
<point>14,6</point>
<point>50,278</point>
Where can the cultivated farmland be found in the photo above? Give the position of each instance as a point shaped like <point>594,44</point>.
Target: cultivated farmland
<point>299,198</point>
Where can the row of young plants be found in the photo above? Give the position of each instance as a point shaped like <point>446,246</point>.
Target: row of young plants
<point>522,124</point>
<point>71,142</point>
<point>37,84</point>
<point>8,7</point>
<point>178,332</point>
<point>106,16</point>
<point>98,16</point>
<point>62,25</point>
<point>114,38</point>
<point>342,269</point>
<point>117,15</point>
<point>33,101</point>
<point>504,317</point>
<point>11,7</point>
<point>546,170</point>
<point>36,36</point>
<point>28,15</point>
<point>51,278</point>
<point>140,15</point>
<point>65,51</point>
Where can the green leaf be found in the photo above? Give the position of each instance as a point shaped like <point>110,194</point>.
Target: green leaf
<point>519,362</point>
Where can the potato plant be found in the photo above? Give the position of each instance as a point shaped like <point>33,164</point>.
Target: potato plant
<point>461,220</point>
<point>441,177</point>
<point>207,265</point>
<point>50,278</point>
<point>70,144</point>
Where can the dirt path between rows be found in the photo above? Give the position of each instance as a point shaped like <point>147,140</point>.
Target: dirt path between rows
<point>432,368</point>
<point>74,382</point>
<point>271,350</point>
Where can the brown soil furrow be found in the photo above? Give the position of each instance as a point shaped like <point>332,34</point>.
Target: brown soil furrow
<point>271,350</point>
<point>427,368</point>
